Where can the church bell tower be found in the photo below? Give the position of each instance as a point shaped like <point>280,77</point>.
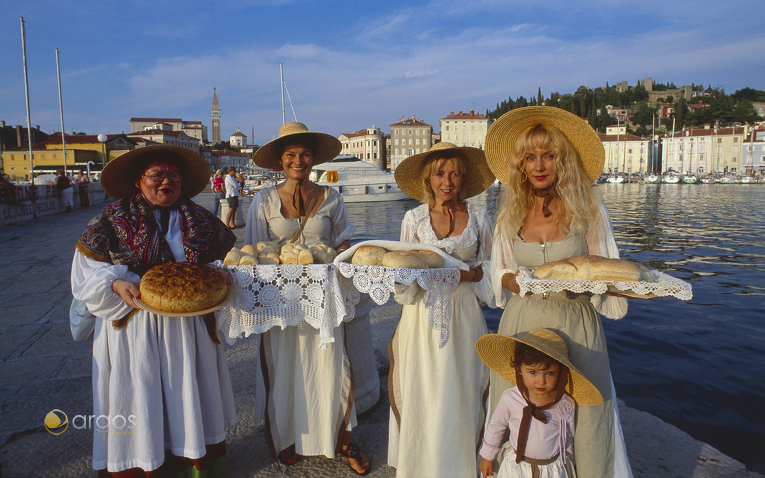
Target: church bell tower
<point>215,115</point>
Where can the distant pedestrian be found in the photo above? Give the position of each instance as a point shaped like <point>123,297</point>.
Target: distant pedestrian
<point>64,190</point>
<point>82,181</point>
<point>9,194</point>
<point>218,188</point>
<point>233,192</point>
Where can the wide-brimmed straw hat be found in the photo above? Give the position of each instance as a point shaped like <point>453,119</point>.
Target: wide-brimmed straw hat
<point>498,353</point>
<point>505,131</point>
<point>120,174</point>
<point>270,154</point>
<point>478,178</point>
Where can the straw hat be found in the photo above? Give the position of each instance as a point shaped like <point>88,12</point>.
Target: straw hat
<point>270,154</point>
<point>120,174</point>
<point>478,178</point>
<point>498,352</point>
<point>505,131</point>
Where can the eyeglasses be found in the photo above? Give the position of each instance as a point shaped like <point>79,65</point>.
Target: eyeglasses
<point>158,178</point>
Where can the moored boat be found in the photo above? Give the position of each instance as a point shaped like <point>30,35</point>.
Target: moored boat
<point>671,178</point>
<point>690,179</point>
<point>357,180</point>
<point>652,178</point>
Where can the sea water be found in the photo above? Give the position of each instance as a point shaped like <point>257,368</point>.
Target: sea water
<point>700,364</point>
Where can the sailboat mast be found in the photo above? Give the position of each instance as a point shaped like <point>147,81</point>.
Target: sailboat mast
<point>281,72</point>
<point>61,108</point>
<point>29,118</point>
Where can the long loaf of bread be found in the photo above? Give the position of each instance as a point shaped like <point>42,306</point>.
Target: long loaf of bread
<point>593,268</point>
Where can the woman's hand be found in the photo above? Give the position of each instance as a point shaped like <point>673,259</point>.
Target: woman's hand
<point>486,467</point>
<point>345,245</point>
<point>509,282</point>
<point>473,275</point>
<point>127,291</point>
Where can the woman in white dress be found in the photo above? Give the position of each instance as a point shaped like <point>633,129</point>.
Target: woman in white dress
<point>309,392</point>
<point>162,395</point>
<point>547,159</point>
<point>437,394</point>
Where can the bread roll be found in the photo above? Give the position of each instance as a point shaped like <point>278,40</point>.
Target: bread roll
<point>323,254</point>
<point>232,258</point>
<point>248,260</point>
<point>249,249</point>
<point>431,258</point>
<point>289,257</point>
<point>405,260</point>
<point>268,246</point>
<point>369,255</point>
<point>270,258</point>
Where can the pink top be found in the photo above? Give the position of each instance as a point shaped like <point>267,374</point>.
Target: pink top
<point>545,440</point>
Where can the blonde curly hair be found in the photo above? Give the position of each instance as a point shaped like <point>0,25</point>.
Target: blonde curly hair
<point>431,166</point>
<point>577,199</point>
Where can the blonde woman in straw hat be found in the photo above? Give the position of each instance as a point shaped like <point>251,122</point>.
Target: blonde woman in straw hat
<point>539,411</point>
<point>437,391</point>
<point>161,386</point>
<point>309,403</point>
<point>547,159</point>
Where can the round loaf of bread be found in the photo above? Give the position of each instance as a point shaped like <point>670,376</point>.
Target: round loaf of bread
<point>369,256</point>
<point>232,258</point>
<point>406,260</point>
<point>431,258</point>
<point>249,249</point>
<point>183,287</point>
<point>248,260</point>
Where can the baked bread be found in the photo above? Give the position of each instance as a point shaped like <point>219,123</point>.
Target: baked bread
<point>431,258</point>
<point>323,254</point>
<point>406,260</point>
<point>183,287</point>
<point>369,256</point>
<point>249,249</point>
<point>269,258</point>
<point>296,254</point>
<point>248,260</point>
<point>232,258</point>
<point>593,268</point>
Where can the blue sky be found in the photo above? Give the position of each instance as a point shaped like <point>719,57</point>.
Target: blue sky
<point>349,65</point>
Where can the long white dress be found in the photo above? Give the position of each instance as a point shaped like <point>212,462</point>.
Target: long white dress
<point>164,372</point>
<point>309,392</point>
<point>598,444</point>
<point>437,394</point>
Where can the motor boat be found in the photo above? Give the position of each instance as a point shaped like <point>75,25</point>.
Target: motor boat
<point>671,178</point>
<point>357,180</point>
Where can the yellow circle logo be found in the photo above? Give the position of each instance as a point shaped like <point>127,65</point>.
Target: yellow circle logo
<point>56,422</point>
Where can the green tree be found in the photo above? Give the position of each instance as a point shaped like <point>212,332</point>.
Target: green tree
<point>744,112</point>
<point>540,100</point>
<point>604,119</point>
<point>592,117</point>
<point>680,113</point>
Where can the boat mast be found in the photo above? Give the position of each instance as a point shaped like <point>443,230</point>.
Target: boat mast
<point>281,72</point>
<point>29,119</point>
<point>61,108</point>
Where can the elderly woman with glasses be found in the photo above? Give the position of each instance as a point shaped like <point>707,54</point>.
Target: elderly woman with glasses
<point>161,382</point>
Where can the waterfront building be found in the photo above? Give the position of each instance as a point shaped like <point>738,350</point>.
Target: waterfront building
<point>753,158</point>
<point>215,117</point>
<point>193,129</point>
<point>366,144</point>
<point>221,159</point>
<point>465,129</point>
<point>704,150</point>
<point>409,136</point>
<point>166,135</point>
<point>81,149</point>
<point>238,139</point>
<point>626,153</point>
<point>16,136</point>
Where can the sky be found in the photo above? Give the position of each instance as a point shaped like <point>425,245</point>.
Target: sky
<point>351,65</point>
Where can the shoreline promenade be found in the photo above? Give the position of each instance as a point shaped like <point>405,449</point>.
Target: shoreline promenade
<point>43,369</point>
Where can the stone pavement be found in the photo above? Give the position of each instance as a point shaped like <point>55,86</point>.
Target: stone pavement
<point>44,369</point>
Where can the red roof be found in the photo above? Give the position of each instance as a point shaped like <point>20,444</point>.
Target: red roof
<point>471,115</point>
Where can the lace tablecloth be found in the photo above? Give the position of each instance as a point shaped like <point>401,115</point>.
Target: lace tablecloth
<point>285,295</point>
<point>379,282</point>
<point>665,286</point>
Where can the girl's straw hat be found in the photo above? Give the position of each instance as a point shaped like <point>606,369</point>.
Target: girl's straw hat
<point>505,131</point>
<point>270,154</point>
<point>479,177</point>
<point>120,174</point>
<point>498,353</point>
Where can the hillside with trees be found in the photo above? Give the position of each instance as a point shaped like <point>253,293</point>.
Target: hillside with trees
<point>717,107</point>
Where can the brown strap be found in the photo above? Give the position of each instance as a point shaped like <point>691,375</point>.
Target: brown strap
<point>305,218</point>
<point>548,194</point>
<point>530,410</point>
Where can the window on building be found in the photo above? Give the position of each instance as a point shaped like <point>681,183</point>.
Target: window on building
<point>701,157</point>
<point>410,140</point>
<point>629,150</point>
<point>472,137</point>
<point>735,140</point>
<point>719,140</point>
<point>417,141</point>
<point>410,132</point>
<point>447,128</point>
<point>733,159</point>
<point>735,149</point>
<point>464,137</point>
<point>395,141</point>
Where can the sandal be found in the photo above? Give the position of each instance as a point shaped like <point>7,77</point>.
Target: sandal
<point>288,455</point>
<point>353,452</point>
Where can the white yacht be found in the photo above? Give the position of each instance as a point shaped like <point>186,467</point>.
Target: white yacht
<point>357,180</point>
<point>671,178</point>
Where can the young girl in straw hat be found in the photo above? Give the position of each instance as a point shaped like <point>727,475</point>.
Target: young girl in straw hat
<point>539,410</point>
<point>547,159</point>
<point>437,387</point>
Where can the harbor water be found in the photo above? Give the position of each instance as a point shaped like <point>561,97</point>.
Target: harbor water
<point>700,364</point>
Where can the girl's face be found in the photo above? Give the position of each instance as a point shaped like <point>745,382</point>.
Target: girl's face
<point>297,161</point>
<point>541,381</point>
<point>539,165</point>
<point>446,182</point>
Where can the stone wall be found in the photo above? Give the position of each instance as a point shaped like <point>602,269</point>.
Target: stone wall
<point>46,202</point>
